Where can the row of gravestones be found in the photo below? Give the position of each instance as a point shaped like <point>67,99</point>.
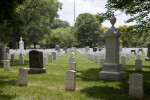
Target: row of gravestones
<point>70,75</point>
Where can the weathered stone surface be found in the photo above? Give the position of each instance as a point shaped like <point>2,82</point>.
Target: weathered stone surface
<point>65,49</point>
<point>54,55</point>
<point>136,85</point>
<point>57,48</point>
<point>96,58</point>
<point>138,65</point>
<point>139,57</point>
<point>21,59</point>
<point>50,58</point>
<point>123,60</point>
<point>71,60</point>
<point>45,60</point>
<point>6,65</point>
<point>102,61</point>
<point>72,66</point>
<point>71,55</point>
<point>12,57</point>
<point>70,80</point>
<point>148,53</point>
<point>23,77</point>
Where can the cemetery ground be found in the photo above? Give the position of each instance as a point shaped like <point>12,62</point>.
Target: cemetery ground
<point>51,85</point>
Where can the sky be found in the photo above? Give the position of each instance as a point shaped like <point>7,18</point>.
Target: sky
<point>88,6</point>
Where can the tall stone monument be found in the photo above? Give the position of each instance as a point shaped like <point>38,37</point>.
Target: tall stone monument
<point>36,62</point>
<point>148,53</point>
<point>112,69</point>
<point>21,45</point>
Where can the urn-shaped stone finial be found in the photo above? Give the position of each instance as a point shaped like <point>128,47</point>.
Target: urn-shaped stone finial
<point>113,20</point>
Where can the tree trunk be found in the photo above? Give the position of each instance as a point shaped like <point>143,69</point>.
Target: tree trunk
<point>14,39</point>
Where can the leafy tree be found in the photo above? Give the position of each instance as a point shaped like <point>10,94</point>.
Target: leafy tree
<point>7,9</point>
<point>87,30</point>
<point>59,24</point>
<point>59,36</point>
<point>38,16</point>
<point>139,11</point>
<point>127,38</point>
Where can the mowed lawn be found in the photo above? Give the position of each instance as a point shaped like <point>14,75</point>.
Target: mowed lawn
<point>51,86</point>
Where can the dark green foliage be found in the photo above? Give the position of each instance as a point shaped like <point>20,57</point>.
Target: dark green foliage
<point>57,23</point>
<point>87,30</point>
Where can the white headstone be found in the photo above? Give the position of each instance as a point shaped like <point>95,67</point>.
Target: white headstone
<point>6,65</point>
<point>96,58</point>
<point>45,60</point>
<point>50,58</point>
<point>70,78</point>
<point>21,59</point>
<point>72,66</point>
<point>23,77</point>
<point>21,45</point>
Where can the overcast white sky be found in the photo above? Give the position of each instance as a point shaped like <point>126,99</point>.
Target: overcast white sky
<point>90,6</point>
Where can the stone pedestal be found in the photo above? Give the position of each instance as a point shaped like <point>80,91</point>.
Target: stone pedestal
<point>112,69</point>
<point>6,65</point>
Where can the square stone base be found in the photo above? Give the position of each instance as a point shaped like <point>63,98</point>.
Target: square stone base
<point>147,59</point>
<point>36,70</point>
<point>106,75</point>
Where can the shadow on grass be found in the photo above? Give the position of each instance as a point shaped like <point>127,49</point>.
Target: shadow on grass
<point>3,82</point>
<point>89,75</point>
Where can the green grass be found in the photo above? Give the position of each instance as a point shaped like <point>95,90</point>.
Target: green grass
<point>51,86</point>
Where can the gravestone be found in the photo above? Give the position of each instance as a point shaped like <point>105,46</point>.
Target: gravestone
<point>6,65</point>
<point>36,62</point>
<point>72,66</point>
<point>70,80</point>
<point>140,50</point>
<point>133,51</point>
<point>95,58</point>
<point>7,50</point>
<point>54,55</point>
<point>7,55</point>
<point>127,56</point>
<point>86,48</point>
<point>65,49</point>
<point>148,53</point>
<point>112,69</point>
<point>136,85</point>
<point>45,60</point>
<point>23,77</point>
<point>12,57</point>
<point>123,60</point>
<point>21,59</point>
<point>2,54</point>
<point>50,58</point>
<point>94,49</point>
<point>138,63</point>
<point>71,60</point>
<point>99,49</point>
<point>102,61</point>
<point>71,55</point>
<point>57,48</point>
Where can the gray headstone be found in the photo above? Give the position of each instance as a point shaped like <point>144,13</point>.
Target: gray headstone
<point>136,85</point>
<point>148,53</point>
<point>54,55</point>
<point>96,58</point>
<point>57,48</point>
<point>102,61</point>
<point>50,58</point>
<point>72,66</point>
<point>6,65</point>
<point>70,78</point>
